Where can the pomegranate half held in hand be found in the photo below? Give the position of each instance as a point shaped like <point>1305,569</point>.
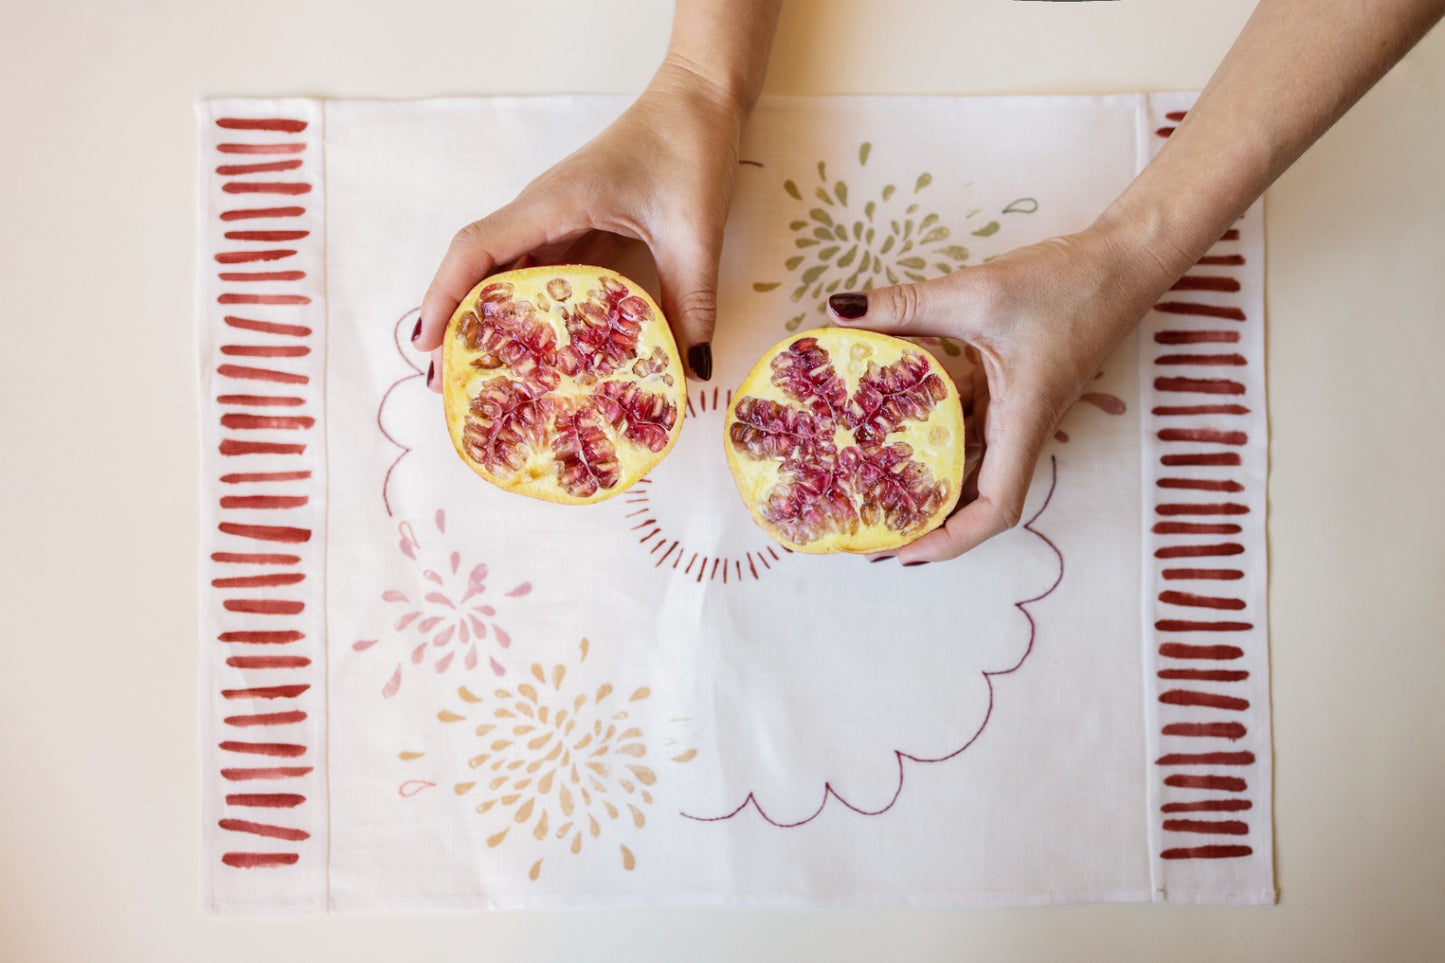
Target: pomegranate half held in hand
<point>842,440</point>
<point>562,383</point>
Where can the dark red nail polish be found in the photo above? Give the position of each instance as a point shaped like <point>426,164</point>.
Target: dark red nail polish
<point>882,558</point>
<point>431,369</point>
<point>912,564</point>
<point>849,305</point>
<point>699,359</point>
<point>416,331</point>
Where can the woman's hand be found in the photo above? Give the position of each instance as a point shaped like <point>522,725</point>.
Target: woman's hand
<point>661,174</point>
<point>1041,319</point>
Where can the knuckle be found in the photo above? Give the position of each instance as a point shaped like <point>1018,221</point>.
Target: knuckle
<point>988,292</point>
<point>1010,512</point>
<point>698,305</point>
<point>906,304</point>
<point>468,236</point>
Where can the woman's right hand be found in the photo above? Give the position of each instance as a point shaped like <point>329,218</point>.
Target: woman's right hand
<point>661,174</point>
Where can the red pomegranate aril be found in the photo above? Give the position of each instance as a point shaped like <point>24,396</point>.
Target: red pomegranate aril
<point>805,373</point>
<point>497,291</point>
<point>586,460</point>
<point>505,426</point>
<point>644,418</point>
<point>818,489</point>
<point>558,394</point>
<point>767,429</point>
<point>634,308</point>
<point>886,397</point>
<point>652,364</point>
<point>806,509</point>
<point>894,488</point>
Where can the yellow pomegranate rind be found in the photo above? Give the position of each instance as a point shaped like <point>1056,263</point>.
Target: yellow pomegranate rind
<point>936,442</point>
<point>538,475</point>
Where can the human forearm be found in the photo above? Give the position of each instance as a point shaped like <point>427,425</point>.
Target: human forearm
<point>1297,66</point>
<point>724,43</point>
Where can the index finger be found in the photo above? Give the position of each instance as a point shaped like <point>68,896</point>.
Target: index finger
<point>475,252</point>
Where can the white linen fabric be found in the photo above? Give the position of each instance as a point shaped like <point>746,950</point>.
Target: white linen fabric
<point>418,691</point>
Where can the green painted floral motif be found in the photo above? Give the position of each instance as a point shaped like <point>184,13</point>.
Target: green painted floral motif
<point>842,245</point>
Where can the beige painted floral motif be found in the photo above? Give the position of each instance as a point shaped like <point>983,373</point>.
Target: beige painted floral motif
<point>845,245</point>
<point>563,764</point>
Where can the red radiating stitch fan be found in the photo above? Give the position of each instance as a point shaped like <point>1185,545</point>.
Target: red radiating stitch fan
<point>651,519</point>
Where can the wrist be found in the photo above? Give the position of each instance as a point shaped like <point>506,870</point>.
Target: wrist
<point>1132,258</point>
<point>1191,193</point>
<point>723,45</point>
<point>1136,233</point>
<point>1156,234</point>
<point>722,96</point>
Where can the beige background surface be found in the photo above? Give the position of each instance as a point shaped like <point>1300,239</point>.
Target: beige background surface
<point>98,820</point>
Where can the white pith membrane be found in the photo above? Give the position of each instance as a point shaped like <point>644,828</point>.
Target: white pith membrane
<point>823,466</point>
<point>561,382</point>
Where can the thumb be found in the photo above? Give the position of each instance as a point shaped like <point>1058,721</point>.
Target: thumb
<point>937,307</point>
<point>688,274</point>
<point>1003,485</point>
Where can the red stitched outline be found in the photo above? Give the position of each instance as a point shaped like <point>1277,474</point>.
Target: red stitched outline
<point>396,340</point>
<point>899,754</point>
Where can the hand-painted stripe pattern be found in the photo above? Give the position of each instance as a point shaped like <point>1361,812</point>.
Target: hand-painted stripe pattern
<point>262,328</point>
<point>1205,450</point>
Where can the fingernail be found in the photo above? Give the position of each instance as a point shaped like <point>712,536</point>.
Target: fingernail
<point>882,558</point>
<point>699,359</point>
<point>416,331</point>
<point>912,564</point>
<point>431,369</point>
<point>850,305</point>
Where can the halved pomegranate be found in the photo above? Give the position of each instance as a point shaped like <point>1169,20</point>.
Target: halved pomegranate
<point>562,383</point>
<point>843,440</point>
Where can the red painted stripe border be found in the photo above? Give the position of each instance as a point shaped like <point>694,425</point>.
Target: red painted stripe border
<point>262,326</point>
<point>1202,399</point>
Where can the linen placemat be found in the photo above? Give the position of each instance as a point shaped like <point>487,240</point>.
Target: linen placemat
<point>418,691</point>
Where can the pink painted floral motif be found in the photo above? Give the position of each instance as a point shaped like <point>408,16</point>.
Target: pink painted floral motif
<point>445,616</point>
